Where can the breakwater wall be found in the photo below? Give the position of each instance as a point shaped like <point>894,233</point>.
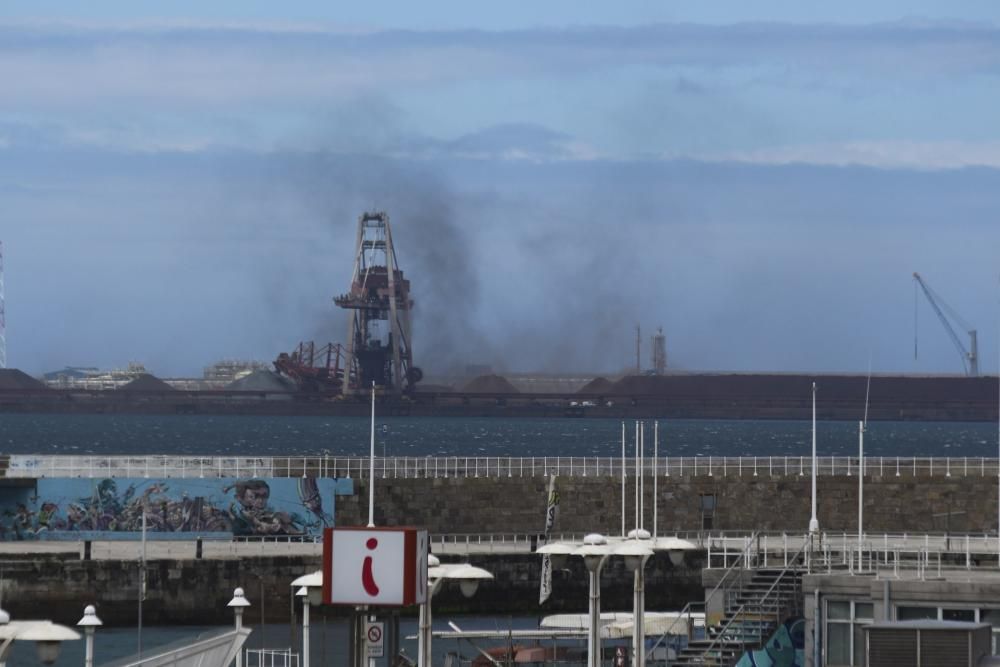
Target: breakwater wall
<point>195,592</point>
<point>935,499</point>
<point>707,396</point>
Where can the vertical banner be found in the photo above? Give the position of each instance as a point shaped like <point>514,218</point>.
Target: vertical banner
<point>551,511</point>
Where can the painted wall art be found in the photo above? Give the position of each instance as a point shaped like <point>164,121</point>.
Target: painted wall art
<point>103,508</point>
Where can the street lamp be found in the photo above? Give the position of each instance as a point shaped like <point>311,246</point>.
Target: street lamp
<point>89,623</point>
<point>675,548</point>
<point>557,552</point>
<point>47,637</point>
<point>311,592</point>
<point>595,551</point>
<point>239,603</point>
<point>813,521</point>
<point>636,552</point>
<point>468,577</point>
<point>303,593</point>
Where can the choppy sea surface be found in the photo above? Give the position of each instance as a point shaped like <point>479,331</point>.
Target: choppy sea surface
<point>429,436</point>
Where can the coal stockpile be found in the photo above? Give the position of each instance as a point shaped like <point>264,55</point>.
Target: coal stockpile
<point>829,387</point>
<point>12,379</point>
<point>146,382</point>
<point>489,384</point>
<point>599,386</point>
<point>262,381</point>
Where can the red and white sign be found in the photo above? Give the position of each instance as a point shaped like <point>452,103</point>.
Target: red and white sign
<point>374,566</point>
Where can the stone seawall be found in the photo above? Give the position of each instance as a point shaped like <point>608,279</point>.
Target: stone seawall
<point>922,503</point>
<point>195,592</point>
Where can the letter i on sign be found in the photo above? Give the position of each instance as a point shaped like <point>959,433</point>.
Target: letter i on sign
<point>367,578</point>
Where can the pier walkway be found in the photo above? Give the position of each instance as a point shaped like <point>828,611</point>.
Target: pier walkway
<point>926,552</point>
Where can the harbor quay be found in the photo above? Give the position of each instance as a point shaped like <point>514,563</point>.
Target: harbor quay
<point>191,591</point>
<point>746,494</point>
<point>72,525</point>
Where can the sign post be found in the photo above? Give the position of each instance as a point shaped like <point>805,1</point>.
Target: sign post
<point>374,640</point>
<point>375,566</point>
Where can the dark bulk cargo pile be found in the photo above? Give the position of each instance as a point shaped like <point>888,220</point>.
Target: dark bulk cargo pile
<point>146,382</point>
<point>12,379</point>
<point>599,386</point>
<point>490,384</point>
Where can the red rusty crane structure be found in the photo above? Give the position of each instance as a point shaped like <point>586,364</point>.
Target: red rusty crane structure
<point>313,369</point>
<point>379,339</point>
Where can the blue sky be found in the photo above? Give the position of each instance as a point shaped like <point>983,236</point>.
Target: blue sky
<point>759,178</point>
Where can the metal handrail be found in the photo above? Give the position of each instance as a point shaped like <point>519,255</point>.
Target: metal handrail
<point>410,467</point>
<point>722,631</point>
<point>737,565</point>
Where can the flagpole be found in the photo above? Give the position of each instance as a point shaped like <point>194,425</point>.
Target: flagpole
<point>371,471</point>
<point>813,521</point>
<point>656,454</point>
<point>642,474</point>
<point>636,457</point>
<point>623,479</point>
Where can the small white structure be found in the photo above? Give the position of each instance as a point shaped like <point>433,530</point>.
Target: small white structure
<point>47,635</point>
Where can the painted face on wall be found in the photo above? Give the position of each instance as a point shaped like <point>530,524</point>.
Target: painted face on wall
<point>254,495</point>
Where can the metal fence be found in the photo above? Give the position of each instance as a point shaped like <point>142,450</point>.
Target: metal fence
<point>438,467</point>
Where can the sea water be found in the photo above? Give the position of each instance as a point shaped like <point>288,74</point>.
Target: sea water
<point>203,435</point>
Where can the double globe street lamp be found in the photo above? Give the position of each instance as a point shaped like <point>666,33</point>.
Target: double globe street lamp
<point>468,578</point>
<point>636,550</point>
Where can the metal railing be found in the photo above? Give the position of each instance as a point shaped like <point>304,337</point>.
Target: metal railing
<point>270,657</point>
<point>437,467</point>
<point>759,609</point>
<point>731,578</point>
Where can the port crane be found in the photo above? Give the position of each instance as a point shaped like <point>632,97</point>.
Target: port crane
<point>970,357</point>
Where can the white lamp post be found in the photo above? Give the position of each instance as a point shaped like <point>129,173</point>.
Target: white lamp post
<point>303,593</point>
<point>89,623</point>
<point>468,577</point>
<point>239,603</point>
<point>814,522</point>
<point>310,589</point>
<point>47,636</point>
<point>595,551</point>
<point>636,552</point>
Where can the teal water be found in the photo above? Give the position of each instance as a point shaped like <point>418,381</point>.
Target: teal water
<point>451,436</point>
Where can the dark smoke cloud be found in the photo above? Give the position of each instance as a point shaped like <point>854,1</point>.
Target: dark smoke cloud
<point>432,245</point>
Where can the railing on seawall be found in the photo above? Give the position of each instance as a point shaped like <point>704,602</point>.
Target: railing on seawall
<point>437,467</point>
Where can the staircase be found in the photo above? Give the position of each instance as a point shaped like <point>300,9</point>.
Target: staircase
<point>757,601</point>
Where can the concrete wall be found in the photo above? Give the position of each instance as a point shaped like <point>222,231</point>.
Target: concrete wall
<point>196,591</point>
<point>517,504</point>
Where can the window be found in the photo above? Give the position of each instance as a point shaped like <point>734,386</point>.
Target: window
<point>916,613</point>
<point>958,614</point>
<point>707,511</point>
<point>845,639</point>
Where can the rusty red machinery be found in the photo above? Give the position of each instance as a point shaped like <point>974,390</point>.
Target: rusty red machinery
<point>378,351</point>
<point>313,369</point>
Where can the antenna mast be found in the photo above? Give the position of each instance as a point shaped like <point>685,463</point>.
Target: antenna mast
<point>3,317</point>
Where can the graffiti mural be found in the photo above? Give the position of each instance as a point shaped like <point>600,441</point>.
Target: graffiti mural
<point>66,508</point>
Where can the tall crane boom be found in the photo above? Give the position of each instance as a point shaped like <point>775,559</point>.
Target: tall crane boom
<point>970,357</point>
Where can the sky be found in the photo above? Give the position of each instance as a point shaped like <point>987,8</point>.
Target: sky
<point>180,182</point>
